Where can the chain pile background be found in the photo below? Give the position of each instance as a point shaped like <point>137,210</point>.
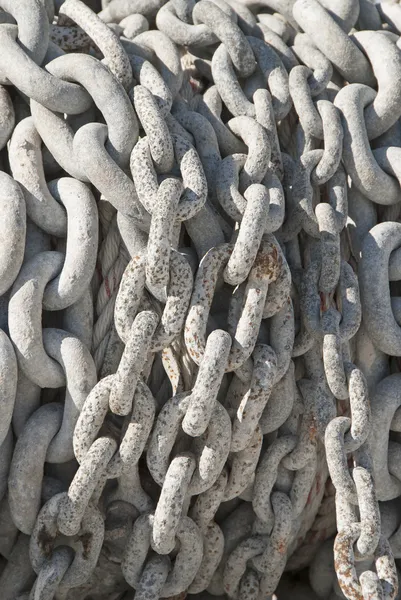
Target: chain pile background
<point>200,307</point>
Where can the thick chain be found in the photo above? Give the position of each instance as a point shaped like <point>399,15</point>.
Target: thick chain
<point>200,313</point>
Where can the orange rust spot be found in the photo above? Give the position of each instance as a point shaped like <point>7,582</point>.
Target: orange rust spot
<point>324,301</point>
<point>344,569</point>
<point>312,432</point>
<point>45,541</point>
<point>267,263</point>
<point>86,539</point>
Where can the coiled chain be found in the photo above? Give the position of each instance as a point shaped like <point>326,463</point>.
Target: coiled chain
<point>200,308</point>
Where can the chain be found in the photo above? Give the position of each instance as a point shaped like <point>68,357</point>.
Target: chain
<point>199,299</point>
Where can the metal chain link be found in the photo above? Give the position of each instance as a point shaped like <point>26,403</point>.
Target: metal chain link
<point>200,388</point>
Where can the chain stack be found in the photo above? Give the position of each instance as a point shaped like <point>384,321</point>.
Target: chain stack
<point>200,307</point>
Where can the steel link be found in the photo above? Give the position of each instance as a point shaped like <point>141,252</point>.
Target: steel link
<point>155,127</point>
<point>42,86</point>
<point>87,549</point>
<point>184,33</point>
<point>51,574</point>
<point>321,67</point>
<point>186,562</point>
<point>348,580</point>
<point>212,451</point>
<point>25,319</point>
<point>228,33</point>
<point>80,375</point>
<point>110,99</point>
<point>26,164</point>
<point>194,180</point>
<point>265,270</point>
<point>27,465</point>
<point>33,27</point>
<point>362,164</point>
<point>84,484</point>
<point>115,56</point>
<point>333,42</point>
<point>149,77</point>
<point>176,303</point>
<point>167,57</point>
<point>382,113</point>
<point>378,245</point>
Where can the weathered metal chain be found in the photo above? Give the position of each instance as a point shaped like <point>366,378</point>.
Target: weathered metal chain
<point>200,314</point>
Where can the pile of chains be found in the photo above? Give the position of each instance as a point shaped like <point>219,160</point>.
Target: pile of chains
<point>200,307</point>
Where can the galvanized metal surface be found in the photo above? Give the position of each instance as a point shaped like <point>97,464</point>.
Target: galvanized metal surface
<point>200,233</point>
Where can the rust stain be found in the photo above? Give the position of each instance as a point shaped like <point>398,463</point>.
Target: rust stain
<point>45,541</point>
<point>86,540</point>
